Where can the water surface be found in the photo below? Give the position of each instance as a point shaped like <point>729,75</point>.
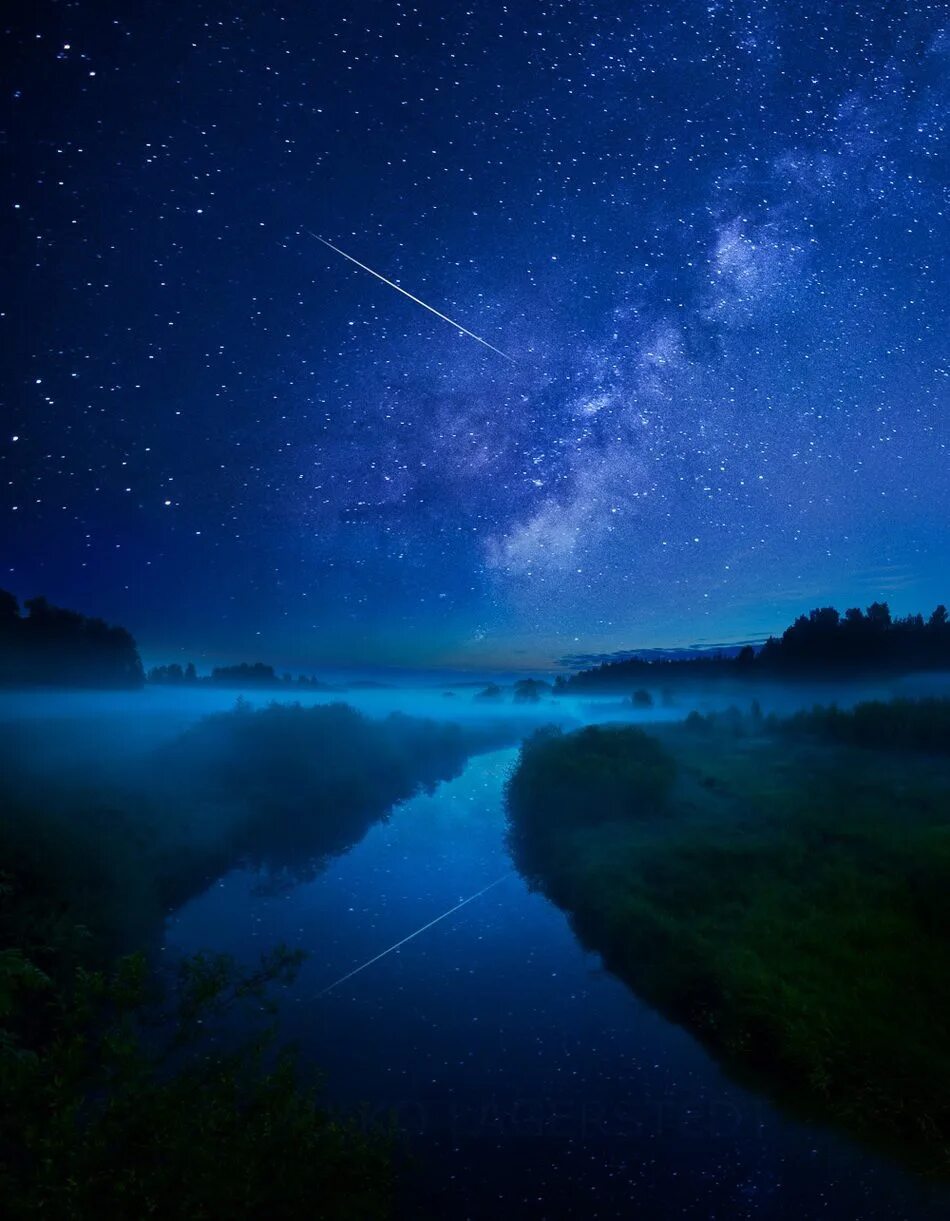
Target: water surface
<point>526,1080</point>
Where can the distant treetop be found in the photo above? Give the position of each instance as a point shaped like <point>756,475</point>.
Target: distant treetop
<point>53,647</point>
<point>823,643</point>
<point>243,674</point>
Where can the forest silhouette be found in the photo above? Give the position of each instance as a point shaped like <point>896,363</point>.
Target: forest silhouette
<point>54,647</point>
<point>822,644</point>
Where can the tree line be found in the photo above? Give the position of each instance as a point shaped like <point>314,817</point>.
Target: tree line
<point>823,643</point>
<point>50,646</point>
<point>244,674</point>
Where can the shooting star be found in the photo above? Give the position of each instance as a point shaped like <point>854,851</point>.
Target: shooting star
<point>362,967</point>
<point>451,321</point>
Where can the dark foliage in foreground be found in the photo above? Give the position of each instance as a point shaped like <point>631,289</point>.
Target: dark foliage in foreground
<point>118,1102</point>
<point>791,908</point>
<point>821,644</point>
<point>53,647</point>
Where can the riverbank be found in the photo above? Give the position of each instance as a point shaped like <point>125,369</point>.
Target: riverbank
<point>134,1092</point>
<point>784,899</point>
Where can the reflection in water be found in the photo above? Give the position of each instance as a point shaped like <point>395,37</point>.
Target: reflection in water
<point>525,1079</point>
<point>405,940</point>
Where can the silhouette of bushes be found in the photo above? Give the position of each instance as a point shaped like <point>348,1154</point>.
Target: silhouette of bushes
<point>530,690</point>
<point>117,1101</point>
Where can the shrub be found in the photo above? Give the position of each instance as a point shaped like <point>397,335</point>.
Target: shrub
<point>599,774</point>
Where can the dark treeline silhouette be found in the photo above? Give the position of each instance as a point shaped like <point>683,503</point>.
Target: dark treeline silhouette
<point>823,643</point>
<point>54,647</point>
<point>245,674</point>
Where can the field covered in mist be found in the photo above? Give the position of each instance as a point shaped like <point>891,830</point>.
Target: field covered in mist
<point>739,861</point>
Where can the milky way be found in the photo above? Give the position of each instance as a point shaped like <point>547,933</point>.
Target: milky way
<point>713,236</point>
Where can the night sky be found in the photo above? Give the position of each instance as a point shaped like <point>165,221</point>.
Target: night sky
<point>711,237</point>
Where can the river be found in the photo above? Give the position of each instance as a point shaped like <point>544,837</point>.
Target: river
<point>526,1081</point>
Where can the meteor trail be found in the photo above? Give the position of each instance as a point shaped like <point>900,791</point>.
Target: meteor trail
<point>363,966</point>
<point>451,321</point>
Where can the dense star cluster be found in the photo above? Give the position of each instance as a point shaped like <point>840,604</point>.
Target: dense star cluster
<point>712,237</point>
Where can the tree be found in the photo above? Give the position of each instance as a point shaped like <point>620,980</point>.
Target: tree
<point>879,615</point>
<point>529,690</point>
<point>9,607</point>
<point>53,646</point>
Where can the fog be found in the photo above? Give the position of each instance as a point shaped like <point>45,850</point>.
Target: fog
<point>161,790</point>
<point>139,718</point>
<point>367,830</point>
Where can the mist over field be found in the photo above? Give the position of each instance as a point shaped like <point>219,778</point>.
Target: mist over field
<point>360,856</point>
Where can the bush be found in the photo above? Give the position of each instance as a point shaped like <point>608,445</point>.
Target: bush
<point>792,910</point>
<point>118,1102</point>
<point>902,724</point>
<point>599,774</point>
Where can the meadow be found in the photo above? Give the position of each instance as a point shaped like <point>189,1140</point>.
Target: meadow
<point>780,887</point>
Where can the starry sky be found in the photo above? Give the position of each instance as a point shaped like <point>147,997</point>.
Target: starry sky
<point>710,238</point>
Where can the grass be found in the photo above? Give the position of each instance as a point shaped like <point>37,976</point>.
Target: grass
<point>789,903</point>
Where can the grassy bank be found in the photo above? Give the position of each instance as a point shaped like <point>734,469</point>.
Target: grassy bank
<point>786,895</point>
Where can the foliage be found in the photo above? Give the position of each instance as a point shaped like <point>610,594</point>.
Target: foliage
<point>529,690</point>
<point>603,773</point>
<point>792,911</point>
<point>53,647</point>
<point>901,724</point>
<point>116,1103</point>
<point>822,643</point>
<point>306,782</point>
